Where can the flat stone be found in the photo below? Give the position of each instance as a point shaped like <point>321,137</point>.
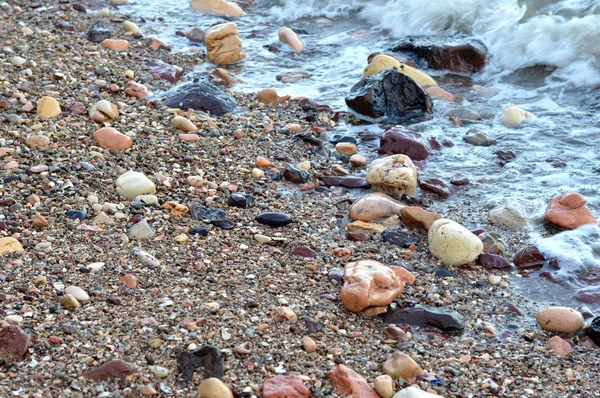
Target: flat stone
<point>115,44</point>
<point>183,124</point>
<point>559,346</point>
<point>434,185</point>
<point>476,138</point>
<point>375,206</point>
<point>115,369</point>
<point>48,107</point>
<point>444,320</point>
<point>220,7</point>
<point>77,292</point>
<point>416,217</point>
<point>348,382</point>
<point>141,231</point>
<point>202,96</point>
<point>398,141</point>
<point>529,257</point>
<point>9,245</point>
<point>110,138</point>
<point>14,343</point>
<point>347,182</point>
<point>493,261</point>
<point>365,226</point>
<point>291,38</point>
<point>288,386</point>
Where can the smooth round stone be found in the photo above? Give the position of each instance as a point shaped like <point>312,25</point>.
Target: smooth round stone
<point>560,319</point>
<point>375,206</point>
<point>78,293</point>
<point>274,219</point>
<point>131,28</point>
<point>257,173</point>
<point>48,107</point>
<point>268,96</point>
<point>18,61</point>
<point>262,162</point>
<point>69,301</point>
<point>37,141</point>
<point>514,117</point>
<point>291,38</point>
<point>161,372</point>
<point>110,138</point>
<point>384,385</point>
<point>10,245</point>
<point>214,388</point>
<point>133,183</point>
<point>309,344</point>
<point>394,174</point>
<point>358,160</point>
<point>183,124</point>
<point>452,243</point>
<point>346,148</point>
<point>381,62</point>
<point>262,239</point>
<point>400,365</point>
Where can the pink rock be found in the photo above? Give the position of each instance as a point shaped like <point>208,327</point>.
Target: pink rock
<point>189,137</point>
<point>134,89</point>
<point>14,343</point>
<point>285,387</point>
<point>115,369</point>
<point>110,138</point>
<point>569,211</point>
<point>11,165</point>
<point>559,346</point>
<point>38,169</point>
<point>77,108</point>
<point>115,44</point>
<point>348,382</point>
<point>37,141</point>
<point>28,107</point>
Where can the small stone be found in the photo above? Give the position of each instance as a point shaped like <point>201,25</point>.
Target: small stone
<point>384,385</point>
<point>295,174</point>
<point>358,160</point>
<point>103,111</point>
<point>183,124</point>
<point>268,96</point>
<point>37,141</point>
<point>110,138</point>
<point>48,107</point>
<point>529,257</point>
<point>366,226</point>
<point>146,258</point>
<point>220,7</point>
<point>148,390</point>
<point>514,117</point>
<point>512,214</point>
<point>196,35</point>
<point>39,221</point>
<point>69,301</point>
<point>476,138</point>
<point>416,217</point>
<point>569,211</point>
<point>141,231</point>
<point>223,43</point>
<point>286,313</point>
<point>400,365</point>
<point>78,293</point>
<point>348,382</point>
<point>137,90</point>
<point>98,32</point>
<point>115,369</point>
<point>262,239</point>
<point>14,343</point>
<point>393,174</point>
<point>291,38</point>
<point>257,173</point>
<point>395,333</point>
<point>494,279</point>
<point>130,281</point>
<point>115,44</point>
<point>214,388</point>
<point>133,183</point>
<point>262,162</point>
<point>346,148</point>
<point>9,245</point>
<point>447,321</point>
<point>309,344</point>
<point>560,319</point>
<point>274,219</point>
<point>289,386</point>
<point>493,261</point>
<point>559,346</point>
<point>131,28</point>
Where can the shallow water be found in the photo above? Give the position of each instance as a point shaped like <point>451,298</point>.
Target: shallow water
<point>561,35</point>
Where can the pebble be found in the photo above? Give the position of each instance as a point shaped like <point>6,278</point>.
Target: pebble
<point>400,365</point>
<point>346,148</point>
<point>274,219</point>
<point>48,107</point>
<point>559,346</point>
<point>115,44</point>
<point>110,138</point>
<point>560,319</point>
<point>452,243</point>
<point>69,301</point>
<point>262,238</point>
<point>131,28</point>
<point>309,344</point>
<point>141,231</point>
<point>37,141</point>
<point>9,245</point>
<point>77,292</point>
<point>183,124</point>
<point>384,385</point>
<point>133,183</point>
<point>358,160</point>
<point>130,281</point>
<point>268,96</point>
<point>214,388</point>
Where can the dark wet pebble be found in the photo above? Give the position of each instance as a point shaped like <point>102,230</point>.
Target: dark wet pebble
<point>530,257</point>
<point>99,32</point>
<point>8,225</point>
<point>347,182</point>
<point>444,320</point>
<point>207,358</point>
<point>303,251</point>
<point>312,325</point>
<point>400,239</point>
<point>62,25</point>
<point>434,185</point>
<point>274,219</point>
<point>493,261</point>
<point>79,7</point>
<point>295,174</point>
<point>240,200</point>
<point>336,275</point>
<point>7,201</point>
<point>201,230</point>
<point>593,331</point>
<point>459,179</point>
<point>76,214</point>
<point>444,273</point>
<point>223,224</point>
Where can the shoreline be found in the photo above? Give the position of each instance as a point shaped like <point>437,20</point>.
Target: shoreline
<point>224,288</point>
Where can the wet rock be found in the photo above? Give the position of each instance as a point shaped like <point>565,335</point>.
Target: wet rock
<point>295,174</point>
<point>493,261</point>
<point>434,185</point>
<point>220,7</point>
<point>383,62</point>
<point>136,90</point>
<point>444,320</point>
<point>240,200</point>
<point>400,239</point>
<point>214,388</point>
<point>201,96</point>
<point>511,214</point>
<point>530,257</point>
<point>78,7</point>
<point>291,38</point>
<point>348,182</point>
<point>196,35</point>
<point>165,71</point>
<point>346,148</point>
<point>452,243</point>
<point>478,139</point>
<point>569,211</point>
<point>63,25</point>
<point>459,57</point>
<point>115,369</point>
<point>207,358</point>
<point>560,319</point>
<point>390,95</point>
<point>369,283</point>
<point>593,331</point>
<point>99,31</point>
<point>14,343</point>
<point>132,184</point>
<point>463,114</point>
<point>130,28</point>
<point>515,117</point>
<point>375,206</point>
<point>303,251</point>
<point>48,107</point>
<point>505,157</point>
<point>110,138</point>
<point>393,174</point>
<point>440,93</point>
<point>274,219</point>
<point>291,386</point>
<point>405,142</point>
<point>416,217</point>
<point>336,275</point>
<point>459,180</point>
<point>223,44</point>
<point>77,108</point>
<point>9,245</point>
<point>400,365</point>
<point>348,382</point>
<point>223,224</point>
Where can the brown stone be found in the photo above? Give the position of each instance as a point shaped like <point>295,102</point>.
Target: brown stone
<point>110,138</point>
<point>291,38</point>
<point>130,281</point>
<point>416,217</point>
<point>400,365</point>
<point>262,162</point>
<point>14,343</point>
<point>348,382</point>
<point>369,283</point>
<point>223,44</point>
<point>440,93</point>
<point>365,226</point>
<point>37,141</point>
<point>137,90</point>
<point>559,346</point>
<point>309,344</point>
<point>405,142</point>
<point>460,57</point>
<point>529,257</point>
<point>39,221</point>
<point>115,369</point>
<point>220,7</point>
<point>346,148</point>
<point>103,111</point>
<point>290,386</point>
<point>115,44</point>
<point>569,211</point>
<point>268,96</point>
<point>375,206</point>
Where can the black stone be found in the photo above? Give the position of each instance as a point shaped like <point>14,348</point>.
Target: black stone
<point>274,219</point>
<point>444,273</point>
<point>201,96</point>
<point>295,174</point>
<point>208,358</point>
<point>240,200</point>
<point>223,224</point>
<point>391,95</point>
<point>76,214</point>
<point>444,320</point>
<point>201,230</point>
<point>399,239</point>
<point>99,32</point>
<point>493,261</point>
<point>213,214</point>
<point>593,331</point>
<point>505,157</point>
<point>197,211</point>
<point>79,7</point>
<point>348,182</point>
<point>312,325</point>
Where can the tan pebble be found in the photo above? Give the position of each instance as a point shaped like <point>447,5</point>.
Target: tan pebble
<point>188,137</point>
<point>149,390</point>
<point>268,95</point>
<point>291,38</point>
<point>37,141</point>
<point>295,127</point>
<point>69,301</point>
<point>309,344</point>
<point>195,181</point>
<point>115,44</point>
<point>286,313</point>
<point>130,74</point>
<point>78,293</point>
<point>263,326</point>
<point>214,388</point>
<point>304,165</point>
<point>183,124</point>
<point>131,28</point>
<point>358,160</point>
<point>10,245</point>
<point>346,148</point>
<point>257,173</point>
<point>48,107</point>
<point>130,281</point>
<point>384,385</point>
<point>110,138</point>
<point>11,165</point>
<point>495,279</point>
<point>560,319</point>
<point>559,346</point>
<point>401,365</point>
<point>262,162</point>
<point>440,93</point>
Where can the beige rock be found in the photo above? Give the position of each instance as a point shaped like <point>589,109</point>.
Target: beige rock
<point>214,388</point>
<point>514,117</point>
<point>381,62</point>
<point>511,214</point>
<point>69,301</point>
<point>78,293</point>
<point>223,44</point>
<point>39,221</point>
<point>133,183</point>
<point>400,365</point>
<point>375,206</point>
<point>48,107</point>
<point>384,385</point>
<point>103,111</point>
<point>286,313</point>
<point>225,76</point>
<point>37,141</point>
<point>9,245</point>
<point>350,383</point>
<point>452,243</point>
<point>369,283</point>
<point>560,319</point>
<point>262,162</point>
<point>183,124</point>
<point>291,38</point>
<point>137,90</point>
<point>309,344</point>
<point>131,28</point>
<point>365,226</point>
<point>358,160</point>
<point>393,174</point>
<point>188,137</point>
<point>268,95</point>
<point>220,7</point>
<point>346,148</point>
<point>115,44</point>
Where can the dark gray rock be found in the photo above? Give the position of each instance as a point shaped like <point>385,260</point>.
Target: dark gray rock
<point>478,139</point>
<point>99,32</point>
<point>201,96</point>
<point>444,320</point>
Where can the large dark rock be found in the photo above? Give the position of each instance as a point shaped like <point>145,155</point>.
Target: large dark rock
<point>593,331</point>
<point>460,57</point>
<point>99,32</point>
<point>396,141</point>
<point>392,96</point>
<point>201,96</point>
<point>14,343</point>
<point>208,358</point>
<point>444,320</point>
<point>348,182</point>
<point>530,257</point>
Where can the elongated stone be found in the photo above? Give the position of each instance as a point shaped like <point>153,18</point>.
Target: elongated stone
<point>274,219</point>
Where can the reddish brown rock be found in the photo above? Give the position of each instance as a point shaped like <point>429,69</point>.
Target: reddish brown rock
<point>164,71</point>
<point>375,206</point>
<point>115,369</point>
<point>267,95</point>
<point>416,217</point>
<point>493,261</point>
<point>348,382</point>
<point>137,90</point>
<point>464,57</point>
<point>285,387</point>
<point>530,257</point>
<point>369,283</point>
<point>569,211</point>
<point>559,346</point>
<point>110,138</point>
<point>130,281</point>
<point>14,343</point>
<point>434,185</point>
<point>397,141</point>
